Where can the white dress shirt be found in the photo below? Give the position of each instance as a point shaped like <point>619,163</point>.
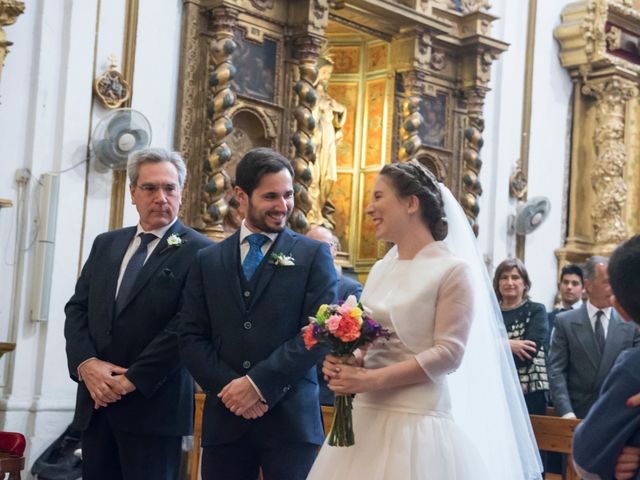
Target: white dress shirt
<point>592,312</point>
<point>135,243</point>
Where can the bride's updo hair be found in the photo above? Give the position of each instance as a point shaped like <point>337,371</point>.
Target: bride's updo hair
<point>412,178</point>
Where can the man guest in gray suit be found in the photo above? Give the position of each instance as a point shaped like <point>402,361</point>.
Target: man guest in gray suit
<point>585,345</point>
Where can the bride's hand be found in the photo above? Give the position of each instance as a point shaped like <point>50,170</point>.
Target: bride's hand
<point>331,362</point>
<point>347,379</point>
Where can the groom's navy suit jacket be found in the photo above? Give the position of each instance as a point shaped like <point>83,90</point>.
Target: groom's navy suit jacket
<point>141,337</point>
<point>229,329</point>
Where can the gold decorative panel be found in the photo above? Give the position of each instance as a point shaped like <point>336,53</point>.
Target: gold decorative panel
<point>375,96</point>
<point>377,57</point>
<point>347,59</point>
<point>368,245</point>
<point>604,181</point>
<point>346,93</point>
<point>342,200</point>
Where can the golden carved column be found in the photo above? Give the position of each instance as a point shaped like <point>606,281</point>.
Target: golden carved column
<point>307,49</point>
<point>594,37</point>
<point>471,186</point>
<point>220,99</point>
<point>410,142</point>
<point>9,12</point>
<point>607,175</point>
<point>191,121</point>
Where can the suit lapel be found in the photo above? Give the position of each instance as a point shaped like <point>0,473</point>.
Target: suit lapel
<point>283,244</point>
<point>584,334</point>
<point>230,261</point>
<point>159,255</point>
<point>116,254</point>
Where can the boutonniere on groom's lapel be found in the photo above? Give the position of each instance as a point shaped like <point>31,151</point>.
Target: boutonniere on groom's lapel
<point>282,260</point>
<point>174,240</point>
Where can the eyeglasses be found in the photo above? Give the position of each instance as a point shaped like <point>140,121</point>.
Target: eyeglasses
<point>169,189</point>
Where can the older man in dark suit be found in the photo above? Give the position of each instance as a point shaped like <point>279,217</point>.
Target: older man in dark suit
<point>135,399</point>
<point>585,345</point>
<point>246,301</point>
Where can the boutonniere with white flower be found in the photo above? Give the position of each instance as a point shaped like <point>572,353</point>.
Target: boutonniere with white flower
<point>282,260</point>
<point>174,240</point>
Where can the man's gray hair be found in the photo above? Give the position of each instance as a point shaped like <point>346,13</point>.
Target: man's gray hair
<point>155,155</point>
<point>590,266</point>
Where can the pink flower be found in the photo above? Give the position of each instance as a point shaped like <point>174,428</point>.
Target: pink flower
<point>309,338</point>
<point>333,322</point>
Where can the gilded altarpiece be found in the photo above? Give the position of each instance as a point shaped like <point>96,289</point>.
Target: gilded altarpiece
<point>599,40</point>
<point>411,76</point>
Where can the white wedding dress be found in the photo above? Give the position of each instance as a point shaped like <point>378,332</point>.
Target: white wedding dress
<point>408,432</point>
<point>468,419</point>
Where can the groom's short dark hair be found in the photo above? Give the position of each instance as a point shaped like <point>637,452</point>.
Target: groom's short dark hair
<point>255,164</point>
<point>624,276</point>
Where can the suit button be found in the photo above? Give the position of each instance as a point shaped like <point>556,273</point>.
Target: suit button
<point>247,293</point>
<point>246,364</point>
<point>286,388</point>
<point>247,325</point>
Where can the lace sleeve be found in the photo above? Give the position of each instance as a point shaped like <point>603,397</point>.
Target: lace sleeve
<point>454,312</point>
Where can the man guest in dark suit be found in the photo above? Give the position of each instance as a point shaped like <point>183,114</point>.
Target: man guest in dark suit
<point>246,301</point>
<point>346,286</point>
<point>135,399</point>
<point>571,288</point>
<point>585,345</point>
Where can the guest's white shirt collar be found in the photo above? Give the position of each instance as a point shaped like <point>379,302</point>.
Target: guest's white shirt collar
<point>574,306</point>
<point>158,232</point>
<point>593,310</point>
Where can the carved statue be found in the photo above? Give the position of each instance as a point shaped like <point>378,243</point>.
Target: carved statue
<point>330,118</point>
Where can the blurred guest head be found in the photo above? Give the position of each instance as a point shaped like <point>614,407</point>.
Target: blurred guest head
<point>625,280</point>
<point>571,285</point>
<point>596,281</point>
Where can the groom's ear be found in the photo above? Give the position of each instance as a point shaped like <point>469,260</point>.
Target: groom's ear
<point>241,195</point>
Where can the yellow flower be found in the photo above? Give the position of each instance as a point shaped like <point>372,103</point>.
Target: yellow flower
<point>322,309</point>
<point>356,312</point>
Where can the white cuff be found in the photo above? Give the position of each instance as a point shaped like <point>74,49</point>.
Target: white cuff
<point>256,389</point>
<point>569,415</point>
<point>78,369</point>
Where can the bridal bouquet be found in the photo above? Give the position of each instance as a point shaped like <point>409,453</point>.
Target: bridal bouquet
<point>344,328</point>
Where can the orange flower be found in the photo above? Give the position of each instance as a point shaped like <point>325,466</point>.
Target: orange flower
<point>349,329</point>
<point>309,339</point>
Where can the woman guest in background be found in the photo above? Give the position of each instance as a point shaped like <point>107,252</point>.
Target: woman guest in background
<point>526,326</point>
<point>405,419</point>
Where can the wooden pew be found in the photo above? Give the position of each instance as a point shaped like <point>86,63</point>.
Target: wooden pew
<point>555,434</point>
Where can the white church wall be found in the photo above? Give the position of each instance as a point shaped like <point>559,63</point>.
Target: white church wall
<point>47,114</point>
<point>548,148</point>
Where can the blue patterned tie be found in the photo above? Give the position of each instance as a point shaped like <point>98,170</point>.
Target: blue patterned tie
<point>134,266</point>
<point>252,261</point>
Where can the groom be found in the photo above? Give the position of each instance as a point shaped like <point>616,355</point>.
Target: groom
<point>245,302</point>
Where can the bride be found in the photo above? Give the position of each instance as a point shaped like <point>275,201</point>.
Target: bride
<point>440,400</point>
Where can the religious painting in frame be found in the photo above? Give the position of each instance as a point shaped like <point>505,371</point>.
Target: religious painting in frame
<point>433,130</point>
<point>256,67</point>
